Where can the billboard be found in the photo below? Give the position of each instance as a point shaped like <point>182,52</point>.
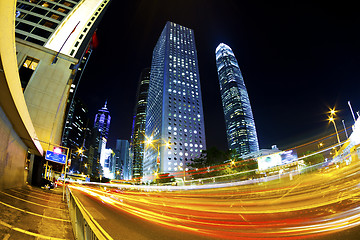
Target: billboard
<point>269,161</point>
<point>276,159</point>
<point>288,157</point>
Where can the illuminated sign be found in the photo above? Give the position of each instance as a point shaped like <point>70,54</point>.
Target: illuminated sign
<point>288,157</point>
<point>276,159</point>
<point>269,161</point>
<point>55,157</point>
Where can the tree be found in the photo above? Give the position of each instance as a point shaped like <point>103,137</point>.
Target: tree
<point>209,157</point>
<point>313,159</point>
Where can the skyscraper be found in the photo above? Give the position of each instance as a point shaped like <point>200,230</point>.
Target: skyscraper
<point>138,129</point>
<point>122,165</point>
<point>174,129</point>
<point>102,122</point>
<point>99,136</point>
<point>75,133</point>
<point>239,120</point>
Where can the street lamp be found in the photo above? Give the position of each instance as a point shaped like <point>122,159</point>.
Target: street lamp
<point>343,122</point>
<point>331,119</point>
<point>332,112</point>
<point>155,144</point>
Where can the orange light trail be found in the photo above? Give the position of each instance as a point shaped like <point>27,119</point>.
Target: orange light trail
<point>310,205</point>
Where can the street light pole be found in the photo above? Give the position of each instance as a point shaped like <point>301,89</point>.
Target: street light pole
<point>343,122</point>
<point>331,119</point>
<point>352,112</point>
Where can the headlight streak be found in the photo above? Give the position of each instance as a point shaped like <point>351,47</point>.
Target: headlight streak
<point>310,205</point>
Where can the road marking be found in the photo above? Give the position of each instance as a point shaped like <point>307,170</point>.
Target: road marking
<point>7,236</point>
<point>45,206</point>
<point>26,232</point>
<point>32,196</point>
<point>22,210</point>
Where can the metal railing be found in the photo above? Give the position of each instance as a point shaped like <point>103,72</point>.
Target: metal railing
<point>84,225</point>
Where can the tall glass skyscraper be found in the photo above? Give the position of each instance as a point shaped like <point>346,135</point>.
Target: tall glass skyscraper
<point>138,129</point>
<point>99,137</point>
<point>102,122</point>
<point>174,117</point>
<point>239,120</point>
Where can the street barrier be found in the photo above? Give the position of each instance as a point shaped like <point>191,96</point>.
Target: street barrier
<point>84,225</point>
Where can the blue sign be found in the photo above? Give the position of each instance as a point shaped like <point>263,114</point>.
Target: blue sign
<point>55,157</point>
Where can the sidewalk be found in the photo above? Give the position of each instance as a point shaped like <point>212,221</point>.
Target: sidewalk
<point>34,213</point>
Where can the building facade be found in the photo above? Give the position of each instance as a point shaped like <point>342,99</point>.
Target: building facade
<point>102,122</point>
<point>98,141</point>
<point>138,129</point>
<point>75,133</point>
<point>52,42</point>
<point>174,130</point>
<point>239,120</point>
<point>123,166</point>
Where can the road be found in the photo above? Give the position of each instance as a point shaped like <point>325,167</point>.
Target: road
<point>318,205</point>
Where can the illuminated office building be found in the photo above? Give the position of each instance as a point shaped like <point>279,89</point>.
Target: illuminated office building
<point>239,120</point>
<point>138,129</point>
<point>102,122</point>
<point>75,133</point>
<point>174,116</point>
<point>98,141</point>
<point>123,167</point>
<point>54,39</point>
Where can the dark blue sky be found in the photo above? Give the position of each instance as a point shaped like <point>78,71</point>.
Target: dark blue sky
<point>297,60</point>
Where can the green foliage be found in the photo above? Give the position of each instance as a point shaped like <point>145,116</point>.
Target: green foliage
<point>313,159</point>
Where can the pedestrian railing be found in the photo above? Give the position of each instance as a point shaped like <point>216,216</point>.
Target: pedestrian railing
<point>84,225</point>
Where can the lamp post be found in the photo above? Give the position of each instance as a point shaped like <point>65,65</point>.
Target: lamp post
<point>343,122</point>
<point>331,119</point>
<point>68,155</point>
<point>156,144</point>
<point>352,112</point>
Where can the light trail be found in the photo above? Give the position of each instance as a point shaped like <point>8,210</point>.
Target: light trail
<point>311,205</point>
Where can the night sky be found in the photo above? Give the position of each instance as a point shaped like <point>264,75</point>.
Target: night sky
<point>297,60</point>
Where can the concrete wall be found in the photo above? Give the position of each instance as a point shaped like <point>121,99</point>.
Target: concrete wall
<point>47,91</point>
<point>12,155</point>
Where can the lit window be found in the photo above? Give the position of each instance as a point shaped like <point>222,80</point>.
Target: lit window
<point>26,71</point>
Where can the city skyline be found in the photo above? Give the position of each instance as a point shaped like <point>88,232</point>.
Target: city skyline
<point>291,56</point>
